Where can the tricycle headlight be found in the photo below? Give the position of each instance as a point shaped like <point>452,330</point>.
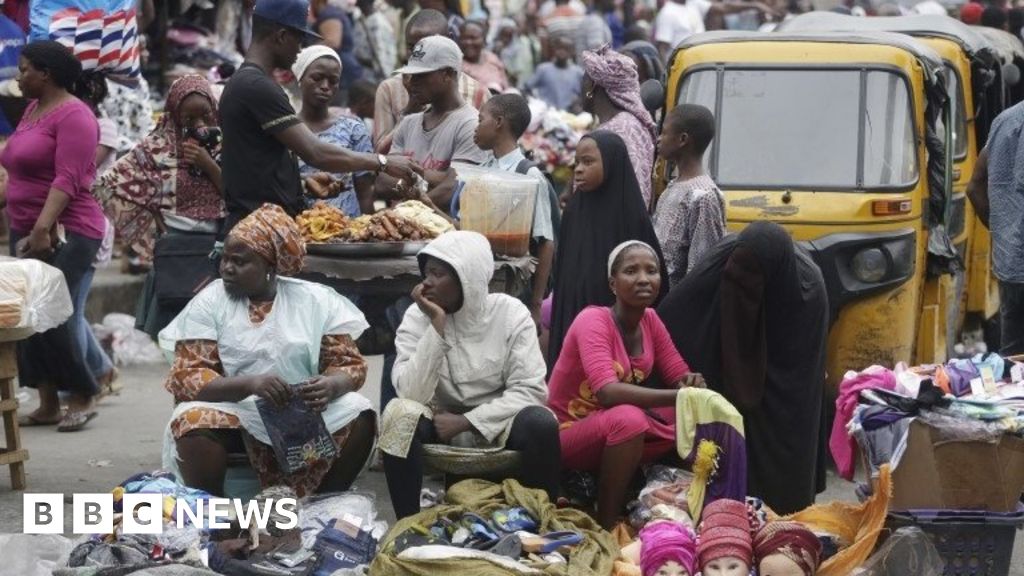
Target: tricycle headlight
<point>870,265</point>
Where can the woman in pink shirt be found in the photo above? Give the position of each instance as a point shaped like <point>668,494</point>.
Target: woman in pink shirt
<point>51,163</point>
<point>612,419</point>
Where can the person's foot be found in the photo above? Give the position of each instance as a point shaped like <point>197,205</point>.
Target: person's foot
<point>109,386</point>
<point>74,421</point>
<point>39,418</point>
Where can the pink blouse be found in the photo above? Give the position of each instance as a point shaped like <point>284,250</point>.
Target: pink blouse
<point>58,151</point>
<point>595,356</point>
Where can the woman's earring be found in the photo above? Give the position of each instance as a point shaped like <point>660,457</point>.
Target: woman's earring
<point>268,276</point>
<point>590,95</point>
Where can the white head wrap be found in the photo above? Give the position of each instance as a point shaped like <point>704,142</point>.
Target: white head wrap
<point>310,55</point>
<point>622,247</point>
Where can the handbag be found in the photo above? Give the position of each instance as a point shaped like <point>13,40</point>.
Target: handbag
<point>182,267</point>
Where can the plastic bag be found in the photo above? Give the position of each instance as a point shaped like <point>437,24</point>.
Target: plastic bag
<point>129,346</point>
<point>316,513</point>
<point>907,551</point>
<point>666,488</point>
<point>34,298</point>
<point>33,555</point>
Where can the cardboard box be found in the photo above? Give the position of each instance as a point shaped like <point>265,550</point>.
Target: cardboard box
<point>958,475</point>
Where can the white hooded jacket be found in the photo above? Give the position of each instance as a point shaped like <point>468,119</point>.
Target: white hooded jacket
<point>487,365</point>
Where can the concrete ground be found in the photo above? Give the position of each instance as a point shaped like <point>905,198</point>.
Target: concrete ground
<point>126,439</point>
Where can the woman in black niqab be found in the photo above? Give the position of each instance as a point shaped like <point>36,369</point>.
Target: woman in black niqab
<point>593,224</point>
<point>752,317</point>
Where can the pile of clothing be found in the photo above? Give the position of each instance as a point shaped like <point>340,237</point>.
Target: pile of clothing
<point>982,397</point>
<point>334,532</point>
<point>484,528</point>
<point>552,137</point>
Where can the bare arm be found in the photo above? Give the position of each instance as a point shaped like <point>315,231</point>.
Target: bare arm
<point>102,153</point>
<point>633,395</point>
<point>332,32</point>
<point>364,193</point>
<point>337,160</point>
<point>977,188</point>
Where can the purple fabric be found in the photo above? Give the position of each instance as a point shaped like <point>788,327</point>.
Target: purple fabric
<point>58,151</point>
<point>730,480</point>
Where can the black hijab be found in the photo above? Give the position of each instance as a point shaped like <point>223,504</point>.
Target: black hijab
<point>593,224</point>
<point>752,317</point>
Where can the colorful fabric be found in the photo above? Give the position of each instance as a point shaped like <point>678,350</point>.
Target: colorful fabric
<point>617,75</point>
<point>153,179</point>
<point>128,105</point>
<point>350,133</point>
<point>666,541</point>
<point>103,34</point>
<point>855,526</point>
<point>710,438</point>
<point>275,236</point>
<point>725,533</point>
<point>791,539</point>
<point>841,443</point>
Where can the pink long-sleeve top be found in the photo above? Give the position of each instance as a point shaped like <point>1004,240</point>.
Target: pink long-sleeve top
<point>58,151</point>
<point>595,356</point>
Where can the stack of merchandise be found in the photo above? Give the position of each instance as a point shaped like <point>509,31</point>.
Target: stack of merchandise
<point>552,137</point>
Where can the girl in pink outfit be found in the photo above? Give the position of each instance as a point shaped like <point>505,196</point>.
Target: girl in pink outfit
<point>611,418</point>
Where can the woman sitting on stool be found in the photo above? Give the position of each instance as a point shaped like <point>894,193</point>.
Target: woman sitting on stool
<point>255,334</point>
<point>469,372</point>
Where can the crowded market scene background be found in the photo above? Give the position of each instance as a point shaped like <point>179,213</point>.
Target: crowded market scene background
<point>632,287</point>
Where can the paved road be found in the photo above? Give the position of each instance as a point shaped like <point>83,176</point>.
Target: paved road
<point>126,439</point>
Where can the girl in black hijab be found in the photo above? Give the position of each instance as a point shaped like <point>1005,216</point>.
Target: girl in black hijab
<point>606,209</point>
<point>752,317</point>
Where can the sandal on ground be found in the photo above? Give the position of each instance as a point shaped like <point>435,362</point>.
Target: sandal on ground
<point>109,386</point>
<point>75,421</point>
<point>29,420</point>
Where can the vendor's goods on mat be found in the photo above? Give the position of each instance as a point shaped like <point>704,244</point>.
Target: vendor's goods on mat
<point>486,529</point>
<point>324,223</point>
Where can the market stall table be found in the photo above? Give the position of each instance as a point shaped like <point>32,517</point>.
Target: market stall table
<point>12,454</point>
<point>398,276</point>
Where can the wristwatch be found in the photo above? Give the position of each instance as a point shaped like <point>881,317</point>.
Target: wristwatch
<point>382,163</point>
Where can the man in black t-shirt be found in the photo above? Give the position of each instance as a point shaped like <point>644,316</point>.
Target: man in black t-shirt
<point>262,131</point>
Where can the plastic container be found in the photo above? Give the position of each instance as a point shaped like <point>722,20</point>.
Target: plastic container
<point>499,205</point>
<point>971,543</point>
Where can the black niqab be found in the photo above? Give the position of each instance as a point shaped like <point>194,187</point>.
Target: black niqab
<point>595,223</point>
<point>752,317</point>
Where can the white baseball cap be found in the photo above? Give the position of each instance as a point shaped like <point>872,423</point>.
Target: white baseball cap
<point>431,54</point>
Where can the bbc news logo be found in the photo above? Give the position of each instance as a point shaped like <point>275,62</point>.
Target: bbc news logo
<point>144,513</point>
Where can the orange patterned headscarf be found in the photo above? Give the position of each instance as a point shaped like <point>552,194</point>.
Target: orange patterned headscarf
<point>272,234</point>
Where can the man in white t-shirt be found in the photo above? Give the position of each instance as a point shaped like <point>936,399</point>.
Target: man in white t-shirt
<point>679,19</point>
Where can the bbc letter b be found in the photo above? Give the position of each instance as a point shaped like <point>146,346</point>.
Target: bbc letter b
<point>43,514</point>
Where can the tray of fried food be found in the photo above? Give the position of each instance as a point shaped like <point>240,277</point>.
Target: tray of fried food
<point>322,223</point>
<point>383,234</point>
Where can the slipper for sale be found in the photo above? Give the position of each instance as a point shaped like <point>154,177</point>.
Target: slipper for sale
<point>514,520</point>
<point>548,543</point>
<point>75,421</point>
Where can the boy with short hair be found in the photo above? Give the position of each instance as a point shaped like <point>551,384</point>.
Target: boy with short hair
<point>503,120</point>
<point>558,83</point>
<point>690,215</point>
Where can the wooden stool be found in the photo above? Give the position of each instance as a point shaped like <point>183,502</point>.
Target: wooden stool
<point>13,454</point>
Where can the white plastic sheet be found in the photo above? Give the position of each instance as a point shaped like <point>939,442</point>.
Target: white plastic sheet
<point>41,292</point>
<point>33,555</point>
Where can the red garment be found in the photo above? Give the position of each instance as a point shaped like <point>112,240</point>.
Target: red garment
<point>594,356</point>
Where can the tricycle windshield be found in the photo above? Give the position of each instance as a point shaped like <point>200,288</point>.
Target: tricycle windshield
<point>812,128</point>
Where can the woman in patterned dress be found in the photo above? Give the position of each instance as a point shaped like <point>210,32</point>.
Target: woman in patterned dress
<point>259,334</point>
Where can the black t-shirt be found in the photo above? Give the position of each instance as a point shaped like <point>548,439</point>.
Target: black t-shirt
<point>256,167</point>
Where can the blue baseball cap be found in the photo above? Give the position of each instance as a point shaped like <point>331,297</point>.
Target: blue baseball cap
<point>289,13</point>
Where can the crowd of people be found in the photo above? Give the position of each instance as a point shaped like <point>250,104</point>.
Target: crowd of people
<point>636,295</point>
